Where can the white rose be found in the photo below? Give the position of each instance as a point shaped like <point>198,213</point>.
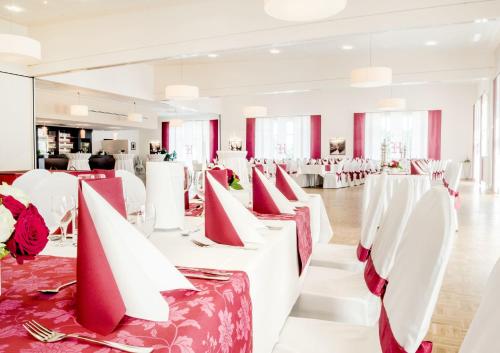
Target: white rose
<point>7,223</point>
<point>18,194</point>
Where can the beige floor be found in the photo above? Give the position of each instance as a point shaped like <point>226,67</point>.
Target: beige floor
<point>477,248</point>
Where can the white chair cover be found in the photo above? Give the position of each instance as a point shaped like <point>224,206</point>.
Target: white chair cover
<point>30,179</point>
<point>410,298</point>
<point>343,296</point>
<point>391,230</point>
<point>53,187</point>
<point>483,334</point>
<point>419,267</point>
<point>373,214</point>
<point>134,190</point>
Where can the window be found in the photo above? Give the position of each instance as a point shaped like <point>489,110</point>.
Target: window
<point>406,133</point>
<point>191,140</point>
<point>283,137</point>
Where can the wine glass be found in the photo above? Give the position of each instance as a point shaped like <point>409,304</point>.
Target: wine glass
<point>144,220</point>
<point>62,212</point>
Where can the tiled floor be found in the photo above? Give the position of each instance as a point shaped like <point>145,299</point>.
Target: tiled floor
<point>476,250</point>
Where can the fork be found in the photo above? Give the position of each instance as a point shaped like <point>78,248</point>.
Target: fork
<point>58,289</point>
<point>205,245</point>
<point>44,334</point>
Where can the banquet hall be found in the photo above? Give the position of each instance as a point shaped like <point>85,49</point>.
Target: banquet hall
<point>249,176</point>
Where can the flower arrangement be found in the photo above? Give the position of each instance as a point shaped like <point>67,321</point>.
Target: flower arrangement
<point>232,178</point>
<point>169,157</point>
<point>23,232</point>
<point>395,164</point>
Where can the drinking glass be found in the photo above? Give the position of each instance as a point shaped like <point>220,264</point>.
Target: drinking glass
<point>62,213</point>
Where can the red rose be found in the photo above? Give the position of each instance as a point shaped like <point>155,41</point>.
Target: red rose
<point>15,207</point>
<point>30,235</point>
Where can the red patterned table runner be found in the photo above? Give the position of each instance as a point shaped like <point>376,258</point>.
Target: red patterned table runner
<point>194,210</point>
<point>302,218</point>
<point>218,318</point>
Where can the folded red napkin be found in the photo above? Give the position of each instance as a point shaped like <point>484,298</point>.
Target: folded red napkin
<point>99,305</point>
<point>218,226</point>
<point>220,175</point>
<point>262,199</point>
<point>283,185</point>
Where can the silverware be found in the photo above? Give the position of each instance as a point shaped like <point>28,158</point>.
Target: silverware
<point>207,272</point>
<point>58,289</point>
<point>44,334</point>
<point>201,276</point>
<point>205,245</point>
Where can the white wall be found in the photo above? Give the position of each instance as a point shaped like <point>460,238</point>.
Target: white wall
<point>338,105</point>
<point>131,135</point>
<point>17,148</point>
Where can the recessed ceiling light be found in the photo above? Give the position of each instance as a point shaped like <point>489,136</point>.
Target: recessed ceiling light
<point>481,20</point>
<point>213,55</point>
<point>347,47</point>
<point>431,43</point>
<point>477,37</point>
<point>275,51</point>
<point>45,2</point>
<point>14,8</point>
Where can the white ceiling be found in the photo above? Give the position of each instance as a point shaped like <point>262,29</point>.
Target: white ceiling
<point>38,12</point>
<point>449,38</point>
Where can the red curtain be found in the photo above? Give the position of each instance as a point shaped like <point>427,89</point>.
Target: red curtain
<point>250,139</point>
<point>315,136</point>
<point>165,127</point>
<point>214,139</point>
<point>434,135</point>
<point>359,135</point>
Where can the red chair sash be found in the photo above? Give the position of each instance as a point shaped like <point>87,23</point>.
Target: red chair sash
<point>388,342</point>
<point>362,253</point>
<point>374,282</point>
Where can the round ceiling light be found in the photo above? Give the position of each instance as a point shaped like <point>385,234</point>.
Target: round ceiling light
<point>303,10</point>
<point>181,92</point>
<point>255,111</point>
<point>392,104</point>
<point>19,49</point>
<point>79,110</point>
<point>373,76</point>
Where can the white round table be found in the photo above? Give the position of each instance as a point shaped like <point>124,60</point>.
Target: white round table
<point>124,161</point>
<point>78,161</point>
<point>236,161</point>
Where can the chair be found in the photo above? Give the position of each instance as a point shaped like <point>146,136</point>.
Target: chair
<point>30,179</point>
<point>451,181</point>
<point>483,332</point>
<point>353,297</point>
<point>409,301</point>
<point>344,256</point>
<point>53,187</point>
<point>134,190</point>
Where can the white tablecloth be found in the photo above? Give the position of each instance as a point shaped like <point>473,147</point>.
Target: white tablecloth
<point>78,161</point>
<point>420,184</point>
<point>124,161</point>
<point>236,161</point>
<point>272,270</point>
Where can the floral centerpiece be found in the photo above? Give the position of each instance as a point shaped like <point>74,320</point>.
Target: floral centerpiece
<point>395,164</point>
<point>23,233</point>
<point>232,178</point>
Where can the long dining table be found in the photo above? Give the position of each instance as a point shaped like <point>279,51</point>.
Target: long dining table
<point>272,270</point>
